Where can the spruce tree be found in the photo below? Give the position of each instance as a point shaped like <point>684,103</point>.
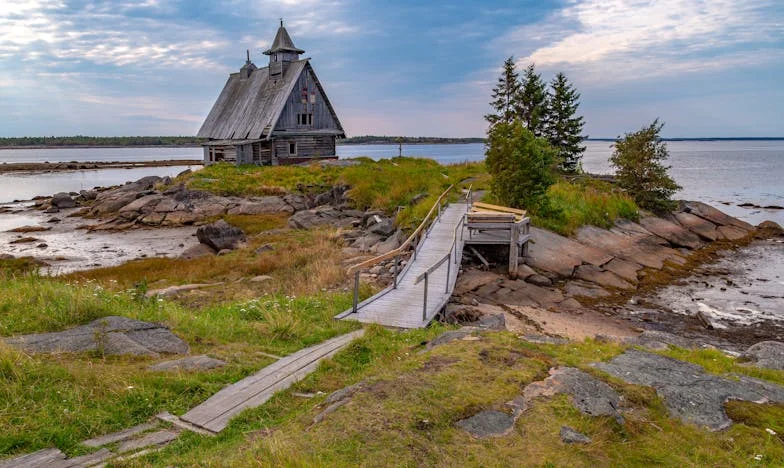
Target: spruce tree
<point>637,159</point>
<point>564,127</point>
<point>505,94</point>
<point>532,101</point>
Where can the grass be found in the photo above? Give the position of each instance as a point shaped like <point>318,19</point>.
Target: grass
<point>585,202</point>
<point>389,185</point>
<point>407,413</point>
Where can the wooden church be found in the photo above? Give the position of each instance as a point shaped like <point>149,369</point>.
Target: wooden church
<point>274,115</point>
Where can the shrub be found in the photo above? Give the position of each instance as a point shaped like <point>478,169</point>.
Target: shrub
<point>638,160</point>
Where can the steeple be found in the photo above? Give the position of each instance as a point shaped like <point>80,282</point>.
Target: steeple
<point>248,68</point>
<point>282,52</point>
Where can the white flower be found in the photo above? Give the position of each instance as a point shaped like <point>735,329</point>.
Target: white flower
<point>770,431</point>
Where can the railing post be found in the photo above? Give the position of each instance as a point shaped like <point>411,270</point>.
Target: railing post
<point>416,244</point>
<point>448,271</point>
<point>439,211</point>
<point>356,291</point>
<point>424,305</point>
<point>394,278</point>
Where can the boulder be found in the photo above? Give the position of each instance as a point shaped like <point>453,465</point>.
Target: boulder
<point>671,232</point>
<point>63,200</point>
<point>560,255</point>
<point>538,280</point>
<point>732,232</point>
<point>190,363</point>
<point>88,194</point>
<point>144,204</point>
<point>197,251</point>
<point>659,340</point>
<point>263,205</point>
<point>109,335</point>
<point>571,436</point>
<point>700,226</point>
<point>524,271</point>
<point>220,235</point>
<point>394,241</point>
<point>384,228</point>
<point>488,424</point>
<point>596,275</point>
<point>768,354</point>
<point>472,279</point>
<point>713,215</point>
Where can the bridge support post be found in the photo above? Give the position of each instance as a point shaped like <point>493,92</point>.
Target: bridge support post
<point>424,302</point>
<point>448,272</point>
<point>356,291</point>
<point>394,277</point>
<point>513,252</point>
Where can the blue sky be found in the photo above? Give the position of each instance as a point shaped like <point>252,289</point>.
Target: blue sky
<point>154,67</point>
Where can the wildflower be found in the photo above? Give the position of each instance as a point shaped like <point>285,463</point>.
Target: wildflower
<point>770,431</point>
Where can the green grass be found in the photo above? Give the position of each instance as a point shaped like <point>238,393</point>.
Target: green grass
<point>585,202</point>
<point>389,184</point>
<point>407,415</point>
<point>59,400</point>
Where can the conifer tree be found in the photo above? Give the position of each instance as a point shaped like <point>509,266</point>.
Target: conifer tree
<point>563,127</point>
<point>532,101</point>
<point>505,94</point>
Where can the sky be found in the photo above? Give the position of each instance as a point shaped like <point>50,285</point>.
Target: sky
<point>417,68</point>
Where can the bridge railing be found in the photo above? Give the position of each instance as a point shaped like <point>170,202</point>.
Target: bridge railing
<point>412,242</point>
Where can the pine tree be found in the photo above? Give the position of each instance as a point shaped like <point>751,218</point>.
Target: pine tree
<point>532,101</point>
<point>505,94</point>
<point>564,127</point>
<point>638,158</point>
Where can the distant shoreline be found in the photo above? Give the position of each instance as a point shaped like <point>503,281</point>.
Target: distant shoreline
<point>363,141</point>
<point>36,167</point>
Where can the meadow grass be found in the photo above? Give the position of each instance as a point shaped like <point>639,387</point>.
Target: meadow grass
<point>407,413</point>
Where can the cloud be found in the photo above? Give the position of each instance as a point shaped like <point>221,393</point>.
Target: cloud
<point>615,40</point>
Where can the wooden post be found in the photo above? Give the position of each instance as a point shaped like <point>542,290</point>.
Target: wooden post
<point>424,305</point>
<point>513,253</point>
<point>356,291</point>
<point>448,271</point>
<point>394,278</point>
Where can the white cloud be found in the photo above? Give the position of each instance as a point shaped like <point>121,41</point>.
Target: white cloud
<point>615,40</point>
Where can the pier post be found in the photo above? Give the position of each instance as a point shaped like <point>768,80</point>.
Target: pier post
<point>513,250</point>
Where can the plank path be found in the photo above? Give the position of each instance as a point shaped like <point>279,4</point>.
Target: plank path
<point>215,413</point>
<point>404,306</point>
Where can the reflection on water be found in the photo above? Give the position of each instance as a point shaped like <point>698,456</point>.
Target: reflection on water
<point>15,186</point>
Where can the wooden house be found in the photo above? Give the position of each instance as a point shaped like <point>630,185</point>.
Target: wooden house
<point>278,114</point>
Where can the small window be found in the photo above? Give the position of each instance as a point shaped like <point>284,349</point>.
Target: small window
<point>312,98</point>
<point>293,148</point>
<point>310,119</point>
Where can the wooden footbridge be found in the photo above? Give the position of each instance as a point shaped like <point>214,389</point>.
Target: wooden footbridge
<point>423,287</point>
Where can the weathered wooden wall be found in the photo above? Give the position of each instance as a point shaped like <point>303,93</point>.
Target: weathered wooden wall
<point>322,117</point>
<point>307,147</point>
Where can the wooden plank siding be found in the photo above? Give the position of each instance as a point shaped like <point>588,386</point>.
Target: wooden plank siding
<point>307,147</point>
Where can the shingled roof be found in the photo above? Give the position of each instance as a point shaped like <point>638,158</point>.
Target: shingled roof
<point>249,108</point>
<point>283,43</point>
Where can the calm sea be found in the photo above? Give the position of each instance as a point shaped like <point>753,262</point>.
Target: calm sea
<point>722,173</point>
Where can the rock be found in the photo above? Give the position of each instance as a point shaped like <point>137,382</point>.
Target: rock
<point>264,248</point>
<point>175,290</point>
<point>144,204</point>
<point>605,279</point>
<point>51,210</point>
<point>488,424</point>
<point>538,280</point>
<point>577,288</point>
<point>659,340</point>
<point>589,395</point>
<point>624,269</point>
<point>472,279</point>
<point>63,200</point>
<point>522,293</point>
<point>461,314</point>
<point>492,322</point>
<point>5,256</point>
<point>571,436</point>
<point>700,226</point>
<point>367,242</point>
<point>384,228</point>
<point>263,205</point>
<point>42,245</point>
<point>671,232</point>
<point>732,232</point>
<point>771,226</point>
<point>190,363</point>
<point>223,252</point>
<point>449,336</point>
<point>524,271</point>
<point>630,242</point>
<point>320,216</point>
<point>220,235</point>
<point>110,335</point>
<point>184,173</point>
<point>261,279</point>
<point>298,202</point>
<point>197,251</point>
<point>153,219</point>
<point>394,241</point>
<point>713,215</point>
<point>768,354</point>
<point>560,255</point>
<point>690,394</point>
<point>544,339</point>
<point>180,217</point>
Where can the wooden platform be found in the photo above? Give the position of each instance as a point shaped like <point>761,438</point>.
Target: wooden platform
<point>403,307</point>
<point>215,413</point>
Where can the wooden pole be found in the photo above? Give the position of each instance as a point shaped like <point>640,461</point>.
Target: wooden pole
<point>356,291</point>
<point>394,279</point>
<point>424,302</point>
<point>513,252</point>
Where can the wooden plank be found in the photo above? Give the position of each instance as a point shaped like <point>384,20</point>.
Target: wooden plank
<point>504,209</point>
<point>119,436</point>
<point>37,459</point>
<point>91,459</point>
<point>162,437</point>
<point>252,391</point>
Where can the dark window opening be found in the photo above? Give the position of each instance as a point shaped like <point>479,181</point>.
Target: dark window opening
<point>304,119</point>
<point>292,148</point>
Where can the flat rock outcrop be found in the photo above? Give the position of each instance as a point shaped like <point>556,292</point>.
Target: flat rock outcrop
<point>690,394</point>
<point>588,394</point>
<point>190,363</point>
<point>108,335</point>
<point>767,354</point>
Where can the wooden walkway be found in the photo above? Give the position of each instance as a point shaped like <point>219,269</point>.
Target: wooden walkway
<point>405,306</point>
<point>215,413</point>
